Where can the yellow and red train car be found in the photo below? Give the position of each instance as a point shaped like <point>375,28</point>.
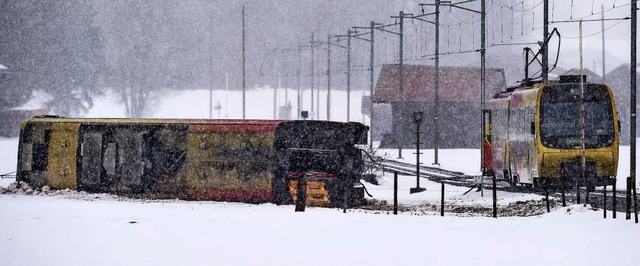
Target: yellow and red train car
<point>536,133</point>
<point>223,160</point>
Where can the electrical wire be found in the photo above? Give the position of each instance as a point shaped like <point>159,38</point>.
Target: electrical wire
<point>596,33</point>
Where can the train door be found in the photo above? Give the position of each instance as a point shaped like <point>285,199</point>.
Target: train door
<point>532,149</point>
<point>487,168</point>
<point>132,158</point>
<point>97,159</point>
<point>91,162</point>
<point>63,150</point>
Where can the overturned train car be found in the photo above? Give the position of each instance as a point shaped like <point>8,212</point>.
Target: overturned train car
<point>224,160</point>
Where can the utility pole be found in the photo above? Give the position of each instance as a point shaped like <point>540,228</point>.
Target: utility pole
<point>210,62</point>
<point>244,82</point>
<point>275,93</point>
<point>483,80</point>
<point>372,24</point>
<point>634,21</point>
<point>545,36</point>
<point>604,79</point>
<point>399,133</point>
<point>348,75</point>
<point>328,77</point>
<point>312,73</point>
<point>298,80</point>
<point>436,139</point>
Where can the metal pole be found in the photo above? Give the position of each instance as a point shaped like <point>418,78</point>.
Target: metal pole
<point>400,132</point>
<point>298,81</point>
<point>482,80</point>
<point>244,82</point>
<point>604,199</point>
<point>395,193</point>
<point>210,62</point>
<point>615,198</point>
<point>634,21</point>
<point>442,200</point>
<point>312,75</point>
<point>301,194</point>
<point>436,138</point>
<point>328,77</point>
<point>275,93</point>
<point>604,79</point>
<point>545,35</point>
<point>495,193</point>
<point>348,75</point>
<point>371,87</point>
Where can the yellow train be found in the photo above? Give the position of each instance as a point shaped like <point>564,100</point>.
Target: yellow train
<point>536,134</point>
<point>226,160</point>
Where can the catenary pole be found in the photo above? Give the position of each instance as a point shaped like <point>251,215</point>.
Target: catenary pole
<point>482,87</point>
<point>244,81</point>
<point>328,77</point>
<point>210,62</point>
<point>400,132</point>
<point>298,80</point>
<point>634,26</point>
<point>436,137</point>
<point>349,75</point>
<point>604,78</point>
<point>545,35</point>
<point>312,74</point>
<point>371,58</point>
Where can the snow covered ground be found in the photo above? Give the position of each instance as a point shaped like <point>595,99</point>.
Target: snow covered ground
<point>71,228</point>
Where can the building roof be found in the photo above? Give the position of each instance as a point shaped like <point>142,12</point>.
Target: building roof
<point>457,84</point>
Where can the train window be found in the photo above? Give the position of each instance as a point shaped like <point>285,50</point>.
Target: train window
<point>561,111</point>
<point>91,157</point>
<point>109,159</point>
<point>40,156</point>
<point>131,156</point>
<point>27,153</point>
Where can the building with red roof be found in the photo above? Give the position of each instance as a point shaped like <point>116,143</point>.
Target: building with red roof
<point>459,104</point>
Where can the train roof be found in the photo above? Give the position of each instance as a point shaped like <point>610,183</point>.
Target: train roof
<point>195,125</point>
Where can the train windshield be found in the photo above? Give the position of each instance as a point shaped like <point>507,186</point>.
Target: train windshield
<point>560,116</point>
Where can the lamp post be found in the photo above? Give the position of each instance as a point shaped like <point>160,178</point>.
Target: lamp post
<point>417,119</point>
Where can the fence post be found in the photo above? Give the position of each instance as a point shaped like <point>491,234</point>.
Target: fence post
<point>395,193</point>
<point>442,201</point>
<point>604,199</point>
<point>564,199</point>
<point>577,191</point>
<point>495,198</point>
<point>628,207</point>
<point>301,197</point>
<point>615,198</point>
<point>546,197</point>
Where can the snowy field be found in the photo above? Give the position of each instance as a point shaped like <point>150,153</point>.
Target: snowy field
<point>71,228</point>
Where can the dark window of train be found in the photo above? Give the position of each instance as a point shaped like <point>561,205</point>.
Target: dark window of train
<point>40,153</point>
<point>560,116</point>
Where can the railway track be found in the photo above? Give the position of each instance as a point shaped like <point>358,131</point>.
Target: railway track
<point>596,198</point>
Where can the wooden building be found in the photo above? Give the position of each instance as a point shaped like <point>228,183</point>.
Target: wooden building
<point>459,105</point>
